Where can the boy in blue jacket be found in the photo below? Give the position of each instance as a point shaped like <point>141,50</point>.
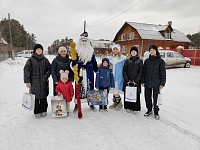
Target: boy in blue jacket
<point>104,80</point>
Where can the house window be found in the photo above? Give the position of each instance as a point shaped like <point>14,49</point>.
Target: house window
<point>123,37</point>
<point>167,35</point>
<point>131,37</point>
<point>124,49</point>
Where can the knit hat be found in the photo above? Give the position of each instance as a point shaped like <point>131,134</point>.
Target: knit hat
<point>36,46</point>
<point>105,59</point>
<point>63,74</point>
<point>116,46</point>
<point>134,48</point>
<point>154,47</point>
<point>62,48</point>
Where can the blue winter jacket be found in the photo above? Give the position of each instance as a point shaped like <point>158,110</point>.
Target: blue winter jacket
<point>117,70</point>
<point>104,78</point>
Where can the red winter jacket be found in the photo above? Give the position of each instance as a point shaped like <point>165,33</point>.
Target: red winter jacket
<point>66,89</point>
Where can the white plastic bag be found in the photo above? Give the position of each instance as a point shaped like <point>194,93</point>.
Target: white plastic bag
<point>28,101</point>
<point>159,99</point>
<point>131,94</point>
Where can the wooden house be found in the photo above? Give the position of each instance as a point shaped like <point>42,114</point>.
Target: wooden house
<point>101,47</point>
<point>143,35</point>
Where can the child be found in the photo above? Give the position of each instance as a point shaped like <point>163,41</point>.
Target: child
<point>36,76</point>
<point>132,73</point>
<point>154,79</point>
<point>65,88</point>
<point>104,80</point>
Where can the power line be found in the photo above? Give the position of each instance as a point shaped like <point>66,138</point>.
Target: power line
<point>108,11</point>
<point>119,13</point>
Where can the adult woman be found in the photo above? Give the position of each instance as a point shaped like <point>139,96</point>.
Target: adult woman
<point>36,73</point>
<point>132,73</point>
<point>117,61</point>
<point>61,62</point>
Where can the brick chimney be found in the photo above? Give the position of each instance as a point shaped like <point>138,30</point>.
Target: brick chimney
<point>170,23</point>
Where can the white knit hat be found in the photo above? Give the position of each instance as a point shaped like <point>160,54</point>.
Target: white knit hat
<point>62,48</point>
<point>116,46</point>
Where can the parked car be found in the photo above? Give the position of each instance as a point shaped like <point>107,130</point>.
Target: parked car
<point>25,53</point>
<point>172,59</point>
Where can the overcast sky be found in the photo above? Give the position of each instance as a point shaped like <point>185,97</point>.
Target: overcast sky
<point>55,19</point>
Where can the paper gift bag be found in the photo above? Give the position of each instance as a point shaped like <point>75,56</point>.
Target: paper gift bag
<point>159,99</point>
<point>28,101</point>
<point>131,94</point>
<point>58,107</point>
<point>96,97</point>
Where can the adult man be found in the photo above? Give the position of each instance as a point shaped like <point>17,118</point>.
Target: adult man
<point>87,65</point>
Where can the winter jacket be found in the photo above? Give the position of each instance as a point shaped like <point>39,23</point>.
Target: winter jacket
<point>66,89</point>
<point>154,74</point>
<point>132,71</point>
<point>104,78</point>
<point>37,71</point>
<point>60,63</point>
<point>117,70</point>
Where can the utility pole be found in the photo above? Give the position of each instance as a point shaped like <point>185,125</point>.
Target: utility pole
<point>10,31</point>
<point>84,25</point>
<point>11,52</point>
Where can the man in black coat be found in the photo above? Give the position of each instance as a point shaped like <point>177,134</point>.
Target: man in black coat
<point>154,79</point>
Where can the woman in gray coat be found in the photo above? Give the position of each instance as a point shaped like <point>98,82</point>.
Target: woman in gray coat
<point>36,73</point>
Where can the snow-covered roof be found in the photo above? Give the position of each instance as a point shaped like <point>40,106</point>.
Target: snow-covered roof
<point>151,31</point>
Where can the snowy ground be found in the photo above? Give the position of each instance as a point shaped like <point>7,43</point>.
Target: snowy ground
<point>176,130</point>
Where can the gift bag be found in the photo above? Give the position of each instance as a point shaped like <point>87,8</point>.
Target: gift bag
<point>96,97</point>
<point>131,94</point>
<point>58,106</point>
<point>159,99</point>
<point>28,101</point>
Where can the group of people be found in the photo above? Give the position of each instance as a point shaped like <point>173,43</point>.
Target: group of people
<point>113,74</point>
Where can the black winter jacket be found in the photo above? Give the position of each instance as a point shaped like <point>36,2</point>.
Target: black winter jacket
<point>37,71</point>
<point>154,72</point>
<point>58,64</point>
<point>132,71</point>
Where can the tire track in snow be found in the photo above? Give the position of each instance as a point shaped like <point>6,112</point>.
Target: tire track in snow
<point>184,131</point>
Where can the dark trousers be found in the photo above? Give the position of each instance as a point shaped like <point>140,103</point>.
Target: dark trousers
<point>148,98</point>
<point>40,105</point>
<point>104,106</point>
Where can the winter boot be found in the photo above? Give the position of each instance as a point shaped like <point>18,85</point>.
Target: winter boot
<point>148,113</point>
<point>37,116</point>
<point>128,110</point>
<point>156,115</point>
<point>119,106</point>
<point>75,109</point>
<point>92,107</point>
<point>113,105</point>
<point>44,114</point>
